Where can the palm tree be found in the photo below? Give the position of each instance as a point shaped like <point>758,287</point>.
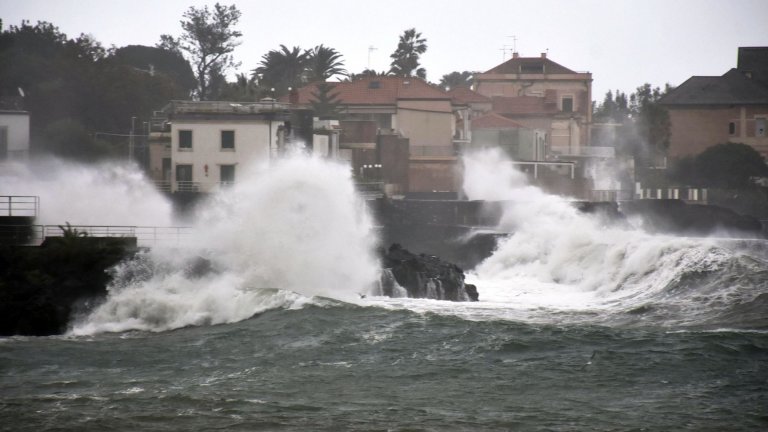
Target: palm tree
<point>405,59</point>
<point>281,69</point>
<point>456,79</point>
<point>323,62</point>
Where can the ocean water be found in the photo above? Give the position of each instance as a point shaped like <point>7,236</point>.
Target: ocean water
<point>579,326</point>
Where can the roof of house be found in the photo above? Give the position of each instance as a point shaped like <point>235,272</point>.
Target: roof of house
<point>465,95</point>
<point>380,90</point>
<point>732,88</point>
<point>492,120</point>
<point>522,105</point>
<point>533,65</point>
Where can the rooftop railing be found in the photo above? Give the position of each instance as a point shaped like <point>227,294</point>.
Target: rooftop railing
<point>19,205</point>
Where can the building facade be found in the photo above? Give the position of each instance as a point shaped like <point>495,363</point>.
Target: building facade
<point>205,144</point>
<point>541,94</point>
<point>709,110</point>
<point>405,106</point>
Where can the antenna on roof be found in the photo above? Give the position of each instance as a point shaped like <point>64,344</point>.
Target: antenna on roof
<point>514,43</point>
<point>371,48</point>
<point>504,50</point>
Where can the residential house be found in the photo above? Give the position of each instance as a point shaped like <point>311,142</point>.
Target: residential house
<point>203,145</point>
<point>541,94</point>
<point>14,135</point>
<point>409,107</point>
<point>733,107</point>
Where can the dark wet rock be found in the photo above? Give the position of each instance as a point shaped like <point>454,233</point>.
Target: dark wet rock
<point>42,287</point>
<point>423,276</point>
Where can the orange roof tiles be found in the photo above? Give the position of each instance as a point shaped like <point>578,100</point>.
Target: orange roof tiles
<point>534,65</point>
<point>494,121</point>
<point>384,90</point>
<point>467,95</point>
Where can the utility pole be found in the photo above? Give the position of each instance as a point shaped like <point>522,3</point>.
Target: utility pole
<point>130,139</point>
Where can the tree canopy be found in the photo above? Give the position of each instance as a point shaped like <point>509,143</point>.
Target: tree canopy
<point>405,59</point>
<point>77,90</point>
<point>727,166</point>
<point>324,62</point>
<point>282,69</point>
<point>208,38</point>
<point>456,79</point>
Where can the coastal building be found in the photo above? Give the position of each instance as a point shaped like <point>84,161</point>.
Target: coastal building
<point>407,107</point>
<point>733,107</point>
<point>14,135</point>
<point>200,146</point>
<point>541,94</point>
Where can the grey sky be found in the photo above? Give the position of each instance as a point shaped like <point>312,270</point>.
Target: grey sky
<point>623,43</point>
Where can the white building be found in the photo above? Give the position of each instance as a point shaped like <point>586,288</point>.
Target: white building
<point>14,135</point>
<point>212,141</point>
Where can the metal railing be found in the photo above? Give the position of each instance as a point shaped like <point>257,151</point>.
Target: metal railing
<point>585,151</point>
<point>187,186</point>
<point>19,205</point>
<point>145,236</point>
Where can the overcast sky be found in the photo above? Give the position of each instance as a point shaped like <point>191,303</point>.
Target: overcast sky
<point>622,43</point>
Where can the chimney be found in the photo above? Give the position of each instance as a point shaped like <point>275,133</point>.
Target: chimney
<point>515,55</point>
<point>543,55</point>
<point>293,96</point>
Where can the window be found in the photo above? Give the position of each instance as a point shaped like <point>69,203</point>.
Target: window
<point>185,140</point>
<point>567,104</point>
<point>760,127</point>
<point>731,128</point>
<point>183,173</point>
<point>227,140</point>
<point>227,174</point>
<point>184,179</point>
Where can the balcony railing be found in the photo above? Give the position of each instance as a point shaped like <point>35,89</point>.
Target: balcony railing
<point>187,186</point>
<point>19,205</point>
<point>585,151</point>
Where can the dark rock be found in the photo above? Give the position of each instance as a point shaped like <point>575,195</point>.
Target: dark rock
<point>422,276</point>
<point>41,287</point>
<point>472,292</point>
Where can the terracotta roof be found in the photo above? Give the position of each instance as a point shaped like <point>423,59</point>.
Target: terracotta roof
<point>386,90</point>
<point>533,65</point>
<point>464,95</point>
<point>732,88</point>
<point>522,105</point>
<point>494,121</point>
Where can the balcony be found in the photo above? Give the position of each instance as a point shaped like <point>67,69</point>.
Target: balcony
<point>583,151</point>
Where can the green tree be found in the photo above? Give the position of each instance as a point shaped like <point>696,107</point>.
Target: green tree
<point>405,59</point>
<point>242,89</point>
<point>324,102</point>
<point>158,61</point>
<point>729,166</point>
<point>74,88</point>
<point>456,79</point>
<point>208,38</point>
<point>367,73</point>
<point>282,69</point>
<point>613,109</point>
<point>322,63</point>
